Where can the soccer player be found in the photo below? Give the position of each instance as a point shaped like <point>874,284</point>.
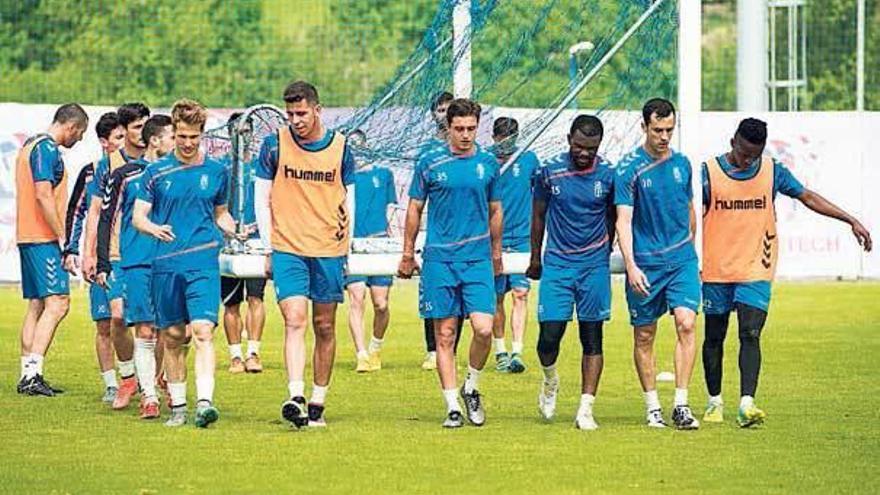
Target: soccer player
<point>234,290</point>
<point>462,252</point>
<point>374,187</point>
<point>136,258</point>
<point>40,202</point>
<point>655,226</point>
<point>304,199</point>
<point>740,248</point>
<point>515,189</point>
<point>574,199</point>
<point>132,117</point>
<point>111,136</point>
<point>183,196</point>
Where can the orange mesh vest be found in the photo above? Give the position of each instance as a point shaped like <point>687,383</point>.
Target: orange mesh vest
<point>116,160</point>
<point>739,227</point>
<point>30,224</point>
<point>309,215</point>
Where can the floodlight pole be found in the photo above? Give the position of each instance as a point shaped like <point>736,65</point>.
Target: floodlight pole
<point>583,83</point>
<point>573,65</point>
<point>751,55</point>
<point>461,49</point>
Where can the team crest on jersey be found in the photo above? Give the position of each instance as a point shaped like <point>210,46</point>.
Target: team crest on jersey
<point>203,182</point>
<point>516,171</point>
<point>481,171</point>
<point>597,189</point>
<point>376,182</point>
<point>676,174</point>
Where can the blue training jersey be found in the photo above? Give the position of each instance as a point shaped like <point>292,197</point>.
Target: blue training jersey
<point>515,190</point>
<point>783,180</point>
<point>184,197</point>
<point>267,163</point>
<point>578,206</point>
<point>373,192</point>
<point>46,162</point>
<point>660,193</point>
<point>98,184</point>
<point>457,191</point>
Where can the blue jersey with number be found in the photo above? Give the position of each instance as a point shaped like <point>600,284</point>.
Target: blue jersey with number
<point>515,190</point>
<point>373,192</point>
<point>98,185</point>
<point>457,191</point>
<point>578,207</point>
<point>184,197</point>
<point>660,193</point>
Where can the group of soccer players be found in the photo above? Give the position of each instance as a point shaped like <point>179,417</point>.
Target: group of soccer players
<point>154,216</point>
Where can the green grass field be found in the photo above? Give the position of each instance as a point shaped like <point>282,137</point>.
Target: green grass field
<point>819,387</point>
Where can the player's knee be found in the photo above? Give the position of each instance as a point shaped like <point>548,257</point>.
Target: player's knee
<point>102,328</point>
<point>644,338</point>
<point>254,303</point>
<point>591,337</point>
<point>380,306</point>
<point>232,310</point>
<point>483,333</point>
<point>550,336</point>
<point>324,327</point>
<point>751,322</point>
<point>57,306</point>
<point>685,322</point>
<point>521,296</point>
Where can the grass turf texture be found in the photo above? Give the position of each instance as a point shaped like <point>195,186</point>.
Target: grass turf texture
<point>818,386</point>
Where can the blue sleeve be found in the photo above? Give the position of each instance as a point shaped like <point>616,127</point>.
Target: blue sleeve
<point>418,188</point>
<point>689,178</point>
<point>707,191</point>
<point>43,157</point>
<point>267,163</point>
<point>624,185</point>
<point>785,182</point>
<point>348,166</point>
<point>390,190</point>
<point>223,191</point>
<point>99,181</point>
<point>540,185</point>
<point>148,186</point>
<point>492,187</point>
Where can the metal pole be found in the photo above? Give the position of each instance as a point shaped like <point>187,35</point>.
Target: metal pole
<point>690,91</point>
<point>582,84</point>
<point>860,56</point>
<point>461,49</point>
<point>751,55</point>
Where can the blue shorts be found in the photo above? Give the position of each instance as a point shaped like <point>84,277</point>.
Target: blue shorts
<point>319,279</point>
<point>588,289</point>
<point>42,271</point>
<point>184,297</point>
<point>507,283</point>
<point>371,281</point>
<point>137,294</point>
<point>447,289</point>
<point>99,297</point>
<point>720,298</point>
<point>671,287</point>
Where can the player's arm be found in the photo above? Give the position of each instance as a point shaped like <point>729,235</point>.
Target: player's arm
<point>413,221</point>
<point>539,218</point>
<point>226,223</point>
<point>496,230</point>
<point>692,221</point>
<point>109,209</point>
<point>634,274</point>
<point>822,206</point>
<point>89,257</point>
<point>140,218</point>
<point>76,214</point>
<point>350,206</point>
<point>46,202</point>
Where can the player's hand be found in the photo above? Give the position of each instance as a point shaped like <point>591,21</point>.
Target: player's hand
<point>71,264</point>
<point>101,279</point>
<point>534,270</point>
<point>89,267</point>
<point>407,266</point>
<point>638,280</point>
<point>497,264</point>
<point>268,266</point>
<point>862,235</point>
<point>163,233</point>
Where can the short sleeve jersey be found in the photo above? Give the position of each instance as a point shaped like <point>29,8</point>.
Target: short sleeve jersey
<point>373,192</point>
<point>783,180</point>
<point>515,190</point>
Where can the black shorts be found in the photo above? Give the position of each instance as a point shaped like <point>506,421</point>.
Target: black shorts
<point>232,290</point>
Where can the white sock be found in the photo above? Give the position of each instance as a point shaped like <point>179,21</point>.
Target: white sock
<point>362,355</point>
<point>177,391</point>
<point>451,397</point>
<point>253,348</point>
<point>715,400</point>
<point>550,372</point>
<point>145,366</point>
<point>586,406</point>
<point>500,346</point>
<point>319,394</point>
<point>24,366</point>
<point>296,388</point>
<point>681,397</point>
<point>433,354</point>
<point>126,369</point>
<point>205,388</point>
<point>35,365</point>
<point>234,351</point>
<point>109,378</point>
<point>652,400</point>
<point>472,381</point>
<point>375,345</point>
<point>746,401</point>
<point>517,347</point>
